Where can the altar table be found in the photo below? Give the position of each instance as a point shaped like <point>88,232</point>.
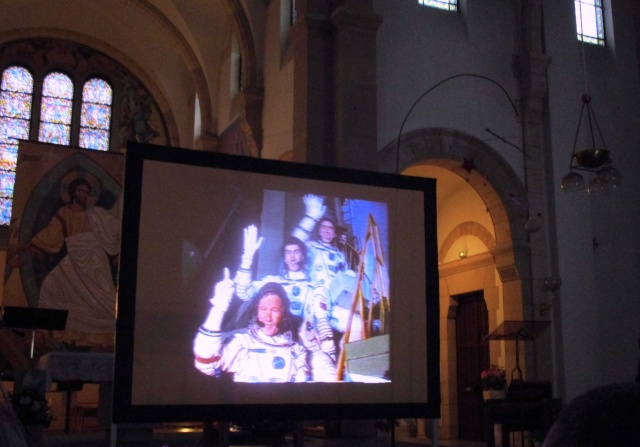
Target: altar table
<point>83,367</point>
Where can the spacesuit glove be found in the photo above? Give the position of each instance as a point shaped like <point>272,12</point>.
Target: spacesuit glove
<point>251,245</point>
<point>313,206</point>
<point>223,293</point>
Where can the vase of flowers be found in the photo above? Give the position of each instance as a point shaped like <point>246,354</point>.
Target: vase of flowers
<point>494,382</point>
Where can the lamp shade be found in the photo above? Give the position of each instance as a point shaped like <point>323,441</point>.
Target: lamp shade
<point>610,177</point>
<point>573,181</point>
<point>596,186</point>
<point>592,158</point>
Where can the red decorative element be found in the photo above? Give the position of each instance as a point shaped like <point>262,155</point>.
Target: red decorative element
<point>207,361</point>
<point>468,165</point>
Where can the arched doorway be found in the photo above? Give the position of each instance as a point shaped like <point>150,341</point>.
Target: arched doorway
<point>482,208</point>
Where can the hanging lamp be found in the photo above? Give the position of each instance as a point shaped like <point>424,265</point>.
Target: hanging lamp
<point>595,159</point>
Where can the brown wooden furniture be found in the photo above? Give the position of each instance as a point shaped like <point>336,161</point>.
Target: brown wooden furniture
<point>529,406</point>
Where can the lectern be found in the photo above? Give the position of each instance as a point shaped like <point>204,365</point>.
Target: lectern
<point>528,405</point>
<point>517,330</point>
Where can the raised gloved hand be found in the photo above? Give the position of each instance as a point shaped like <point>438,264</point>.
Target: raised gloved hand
<point>223,292</point>
<point>251,245</point>
<point>314,207</point>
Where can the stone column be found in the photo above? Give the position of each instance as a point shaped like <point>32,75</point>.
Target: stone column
<point>313,96</point>
<point>531,65</point>
<point>355,84</point>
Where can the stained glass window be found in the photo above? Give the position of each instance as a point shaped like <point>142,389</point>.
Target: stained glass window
<point>55,112</point>
<point>589,21</point>
<point>16,98</point>
<point>56,117</point>
<point>95,116</point>
<point>449,5</point>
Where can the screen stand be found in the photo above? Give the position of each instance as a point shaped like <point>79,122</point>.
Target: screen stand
<point>209,436</point>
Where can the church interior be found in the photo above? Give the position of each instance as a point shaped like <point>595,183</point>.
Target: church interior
<point>525,112</point>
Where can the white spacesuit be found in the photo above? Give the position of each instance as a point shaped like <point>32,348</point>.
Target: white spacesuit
<point>308,304</point>
<point>265,352</point>
<point>326,262</point>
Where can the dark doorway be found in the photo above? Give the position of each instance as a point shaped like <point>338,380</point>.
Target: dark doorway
<point>472,353</point>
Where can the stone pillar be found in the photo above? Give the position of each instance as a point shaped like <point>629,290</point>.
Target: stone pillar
<point>355,84</point>
<point>531,66</point>
<point>313,96</point>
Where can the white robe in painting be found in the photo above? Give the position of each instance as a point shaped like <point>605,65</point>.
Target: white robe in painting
<point>82,281</point>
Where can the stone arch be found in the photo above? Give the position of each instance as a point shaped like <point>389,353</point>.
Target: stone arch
<point>252,93</point>
<point>242,28</point>
<point>191,61</point>
<point>465,228</point>
<point>113,53</point>
<point>487,172</point>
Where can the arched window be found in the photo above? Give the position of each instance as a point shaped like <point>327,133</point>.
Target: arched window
<point>55,112</point>
<point>95,116</point>
<point>16,99</point>
<point>58,113</point>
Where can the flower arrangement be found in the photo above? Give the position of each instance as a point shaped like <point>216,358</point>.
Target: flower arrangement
<point>494,378</point>
<point>31,407</point>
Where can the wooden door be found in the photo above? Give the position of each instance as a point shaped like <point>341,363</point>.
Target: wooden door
<point>472,357</point>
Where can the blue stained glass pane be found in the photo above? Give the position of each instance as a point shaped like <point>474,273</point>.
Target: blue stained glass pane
<point>15,114</point>
<point>97,91</point>
<point>56,110</point>
<point>54,133</point>
<point>15,105</point>
<point>5,211</point>
<point>58,85</point>
<point>7,182</point>
<point>12,128</point>
<point>95,115</point>
<point>94,139</point>
<point>17,79</point>
<point>8,156</point>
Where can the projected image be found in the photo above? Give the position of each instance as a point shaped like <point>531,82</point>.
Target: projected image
<point>254,285</point>
<point>308,300</point>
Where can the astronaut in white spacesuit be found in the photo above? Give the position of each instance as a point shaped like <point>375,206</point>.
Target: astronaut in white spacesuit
<point>265,352</point>
<point>308,304</point>
<point>319,233</point>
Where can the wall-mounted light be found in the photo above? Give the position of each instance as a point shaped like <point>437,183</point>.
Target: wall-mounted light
<point>462,254</point>
<point>552,283</point>
<point>533,224</point>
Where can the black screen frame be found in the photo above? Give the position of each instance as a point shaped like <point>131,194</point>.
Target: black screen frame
<point>125,411</point>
